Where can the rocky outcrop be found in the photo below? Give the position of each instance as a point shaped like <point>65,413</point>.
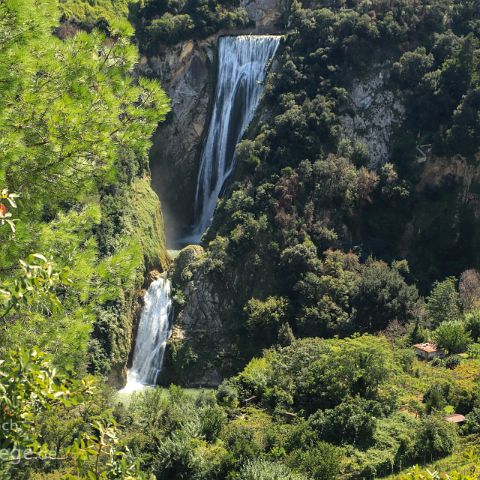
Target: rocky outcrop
<point>198,336</point>
<point>373,115</point>
<point>437,171</point>
<point>187,72</point>
<point>266,14</point>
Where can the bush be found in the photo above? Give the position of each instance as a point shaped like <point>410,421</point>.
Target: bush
<point>437,362</point>
<point>170,28</point>
<point>435,438</point>
<point>452,336</point>
<point>265,470</point>
<point>264,318</point>
<point>472,324</point>
<point>320,462</point>
<point>353,421</point>
<point>472,423</point>
<point>453,361</point>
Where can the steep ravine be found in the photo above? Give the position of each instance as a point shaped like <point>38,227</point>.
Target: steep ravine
<point>209,292</point>
<point>187,71</point>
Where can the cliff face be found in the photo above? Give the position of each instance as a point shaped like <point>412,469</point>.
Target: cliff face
<point>187,74</point>
<point>187,71</point>
<point>266,14</point>
<point>443,230</point>
<point>193,354</point>
<point>374,113</point>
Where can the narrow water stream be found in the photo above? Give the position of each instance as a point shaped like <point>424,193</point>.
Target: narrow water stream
<point>152,336</point>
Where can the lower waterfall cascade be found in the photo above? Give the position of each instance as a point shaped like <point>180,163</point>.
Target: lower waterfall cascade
<point>242,68</point>
<point>152,336</point>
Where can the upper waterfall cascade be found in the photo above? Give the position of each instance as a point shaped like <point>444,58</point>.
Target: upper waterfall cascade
<point>242,67</point>
<point>152,336</point>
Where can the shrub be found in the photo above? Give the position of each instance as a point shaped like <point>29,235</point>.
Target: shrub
<point>472,423</point>
<point>453,361</point>
<point>321,462</point>
<point>472,324</point>
<point>265,470</point>
<point>443,302</point>
<point>353,421</point>
<point>435,438</point>
<point>264,318</point>
<point>170,28</point>
<point>452,336</point>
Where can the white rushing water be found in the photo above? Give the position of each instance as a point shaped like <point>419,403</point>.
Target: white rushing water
<point>152,336</point>
<point>242,67</point>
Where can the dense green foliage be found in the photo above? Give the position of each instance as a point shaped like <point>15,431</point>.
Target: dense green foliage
<point>317,317</point>
<point>101,14</point>
<point>57,423</point>
<point>317,409</point>
<point>305,194</point>
<point>170,21</point>
<point>75,131</point>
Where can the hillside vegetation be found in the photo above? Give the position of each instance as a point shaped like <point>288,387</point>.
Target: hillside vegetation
<point>326,266</point>
<point>312,235</point>
<point>75,130</point>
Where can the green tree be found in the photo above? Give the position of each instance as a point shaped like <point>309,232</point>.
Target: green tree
<point>472,324</point>
<point>382,296</point>
<point>412,67</point>
<point>74,112</point>
<point>285,335</point>
<point>443,302</point>
<point>435,438</point>
<point>320,462</point>
<point>75,124</point>
<point>452,336</point>
<point>266,317</point>
<point>353,421</point>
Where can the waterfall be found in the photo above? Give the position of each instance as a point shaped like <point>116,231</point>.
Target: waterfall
<point>152,336</point>
<point>242,67</point>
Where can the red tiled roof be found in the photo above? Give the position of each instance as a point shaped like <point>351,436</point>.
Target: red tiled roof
<point>427,347</point>
<point>455,418</point>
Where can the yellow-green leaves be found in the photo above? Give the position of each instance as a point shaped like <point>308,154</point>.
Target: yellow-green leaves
<point>35,287</point>
<point>29,385</point>
<point>72,110</point>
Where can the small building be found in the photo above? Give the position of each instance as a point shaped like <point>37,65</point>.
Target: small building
<point>455,418</point>
<point>428,351</point>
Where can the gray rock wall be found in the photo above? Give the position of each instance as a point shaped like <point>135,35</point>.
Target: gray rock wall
<point>187,72</point>
<point>374,114</point>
